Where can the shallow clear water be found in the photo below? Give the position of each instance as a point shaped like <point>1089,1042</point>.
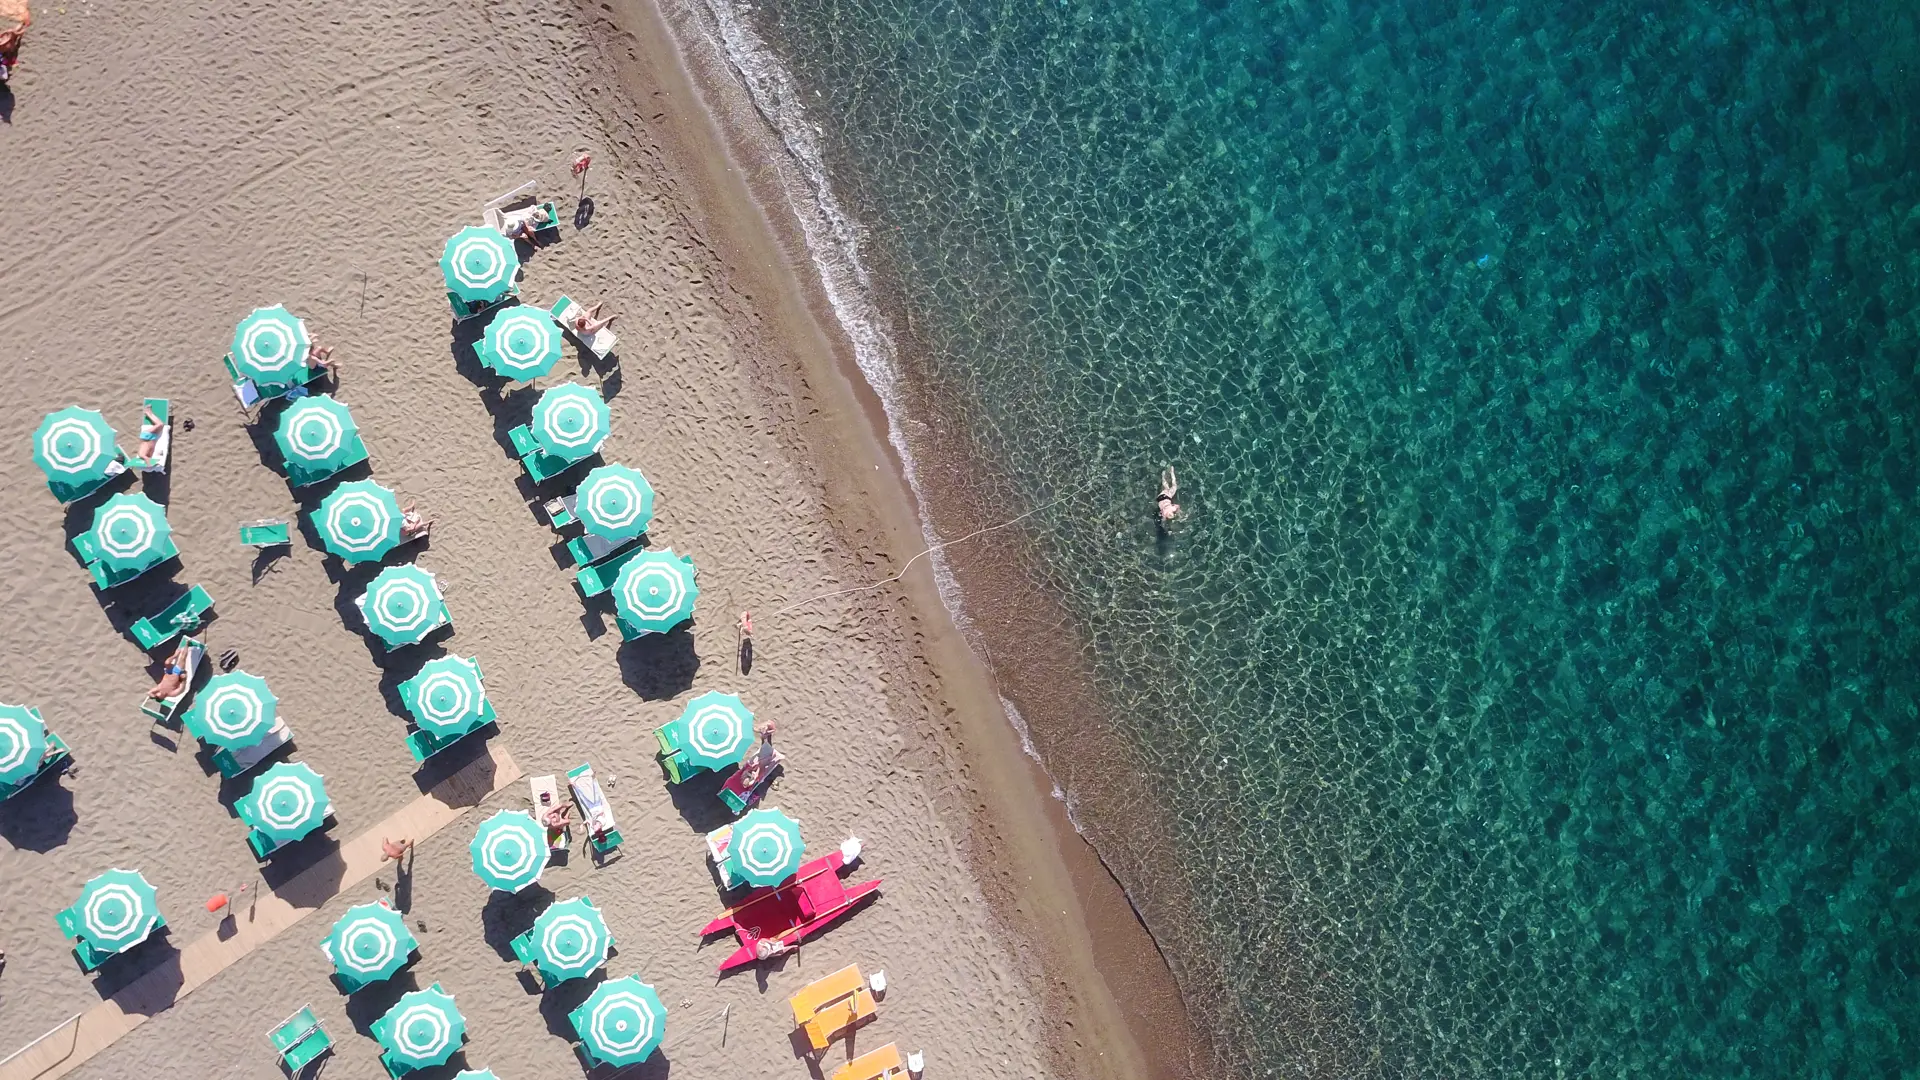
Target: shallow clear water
<point>1536,666</point>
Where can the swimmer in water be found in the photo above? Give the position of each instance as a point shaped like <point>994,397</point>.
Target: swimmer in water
<point>1169,487</point>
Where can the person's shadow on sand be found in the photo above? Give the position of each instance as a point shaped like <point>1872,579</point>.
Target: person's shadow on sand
<point>6,104</point>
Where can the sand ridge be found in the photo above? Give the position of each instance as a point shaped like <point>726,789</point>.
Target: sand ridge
<point>170,168</point>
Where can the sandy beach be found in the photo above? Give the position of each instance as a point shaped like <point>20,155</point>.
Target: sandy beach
<point>170,168</point>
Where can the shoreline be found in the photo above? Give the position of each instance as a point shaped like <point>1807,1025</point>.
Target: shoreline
<point>1108,981</point>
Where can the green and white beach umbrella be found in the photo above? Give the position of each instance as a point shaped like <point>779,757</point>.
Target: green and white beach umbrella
<point>521,343</point>
<point>447,695</point>
<point>74,447</point>
<point>287,802</point>
<point>369,943</point>
<point>570,940</point>
<point>615,501</point>
<point>117,910</point>
<point>235,711</point>
<point>719,730</point>
<point>23,743</point>
<point>623,1022</point>
<point>479,264</point>
<point>475,1074</point>
<point>509,851</point>
<point>765,848</point>
<point>570,421</point>
<point>655,591</point>
<point>270,347</point>
<point>422,1029</point>
<point>317,433</point>
<point>403,605</point>
<point>358,521</point>
<point>130,531</point>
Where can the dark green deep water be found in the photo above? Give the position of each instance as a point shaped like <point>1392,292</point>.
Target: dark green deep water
<point>1535,677</point>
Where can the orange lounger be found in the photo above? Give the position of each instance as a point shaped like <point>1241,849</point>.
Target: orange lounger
<point>828,1006</point>
<point>881,1064</point>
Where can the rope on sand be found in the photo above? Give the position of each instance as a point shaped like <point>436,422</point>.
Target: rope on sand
<point>943,544</point>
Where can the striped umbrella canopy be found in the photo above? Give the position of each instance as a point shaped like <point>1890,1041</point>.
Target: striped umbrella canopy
<point>479,264</point>
<point>403,605</point>
<point>370,942</point>
<point>287,802</point>
<point>270,347</point>
<point>74,446</point>
<point>422,1029</point>
<point>23,743</point>
<point>447,696</point>
<point>521,343</point>
<point>719,730</point>
<point>235,710</point>
<point>623,1022</point>
<point>616,502</point>
<point>117,910</point>
<point>475,1074</point>
<point>130,531</point>
<point>509,851</point>
<point>358,521</point>
<point>570,421</point>
<point>655,591</point>
<point>765,848</point>
<point>570,940</point>
<point>317,432</point>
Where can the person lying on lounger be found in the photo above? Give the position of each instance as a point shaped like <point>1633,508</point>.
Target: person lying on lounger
<point>411,525</point>
<point>755,769</point>
<point>150,429</point>
<point>174,678</point>
<point>585,322</point>
<point>527,227</point>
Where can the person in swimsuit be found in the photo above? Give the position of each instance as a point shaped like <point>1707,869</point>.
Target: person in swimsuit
<point>754,769</point>
<point>150,429</point>
<point>322,356</point>
<point>528,227</point>
<point>174,678</point>
<point>585,321</point>
<point>411,526</point>
<point>1169,487</point>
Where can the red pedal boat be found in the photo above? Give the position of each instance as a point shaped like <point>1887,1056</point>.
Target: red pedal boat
<point>772,921</point>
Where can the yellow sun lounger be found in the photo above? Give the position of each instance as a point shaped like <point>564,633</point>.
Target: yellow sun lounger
<point>828,1006</point>
<point>881,1064</point>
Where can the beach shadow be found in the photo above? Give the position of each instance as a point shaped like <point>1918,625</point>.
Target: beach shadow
<point>204,758</point>
<point>6,105</point>
<point>508,915</point>
<point>372,1001</point>
<point>511,409</point>
<point>145,980</point>
<point>156,486</point>
<point>462,346</point>
<point>392,677</point>
<point>307,872</point>
<point>611,382</point>
<point>462,775</point>
<point>654,1068</point>
<point>698,803</point>
<point>746,656</point>
<point>583,212</point>
<point>557,1002</point>
<point>264,560</point>
<point>659,667</point>
<point>40,818</point>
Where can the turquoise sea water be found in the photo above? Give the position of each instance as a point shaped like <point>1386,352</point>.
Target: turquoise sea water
<point>1536,668</point>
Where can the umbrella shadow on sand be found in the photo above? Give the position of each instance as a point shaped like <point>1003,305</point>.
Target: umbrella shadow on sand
<point>40,818</point>
<point>144,980</point>
<point>464,346</point>
<point>372,1001</point>
<point>469,751</point>
<point>660,667</point>
<point>508,915</point>
<point>698,801</point>
<point>561,1000</point>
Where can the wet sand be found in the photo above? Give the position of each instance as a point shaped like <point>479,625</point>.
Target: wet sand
<point>169,169</point>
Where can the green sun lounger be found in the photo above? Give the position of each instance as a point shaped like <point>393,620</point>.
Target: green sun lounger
<point>425,744</point>
<point>597,578</point>
<point>89,957</point>
<point>540,465</point>
<point>163,711</point>
<point>560,512</point>
<point>589,549</point>
<point>232,763</point>
<point>183,615</point>
<point>251,394</point>
<point>83,546</point>
<point>298,476</point>
<point>266,533</point>
<point>300,1041</point>
<point>672,737</point>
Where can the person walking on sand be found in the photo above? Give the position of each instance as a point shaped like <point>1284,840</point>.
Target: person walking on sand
<point>392,851</point>
<point>1169,487</point>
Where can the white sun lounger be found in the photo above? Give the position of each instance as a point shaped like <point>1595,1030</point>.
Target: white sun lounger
<point>599,344</point>
<point>157,462</point>
<point>163,710</point>
<point>595,811</point>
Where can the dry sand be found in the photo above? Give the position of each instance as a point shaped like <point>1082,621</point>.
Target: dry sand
<point>169,167</point>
